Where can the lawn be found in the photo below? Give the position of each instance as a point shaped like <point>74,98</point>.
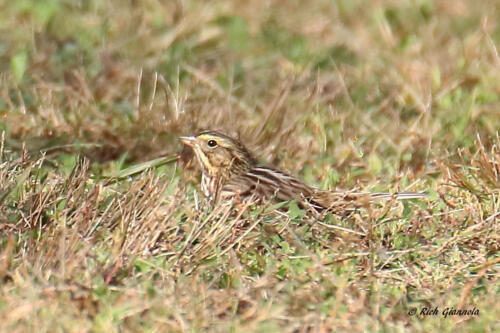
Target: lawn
<point>101,229</point>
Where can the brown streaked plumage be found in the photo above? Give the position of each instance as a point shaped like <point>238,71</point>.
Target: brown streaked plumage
<point>230,171</point>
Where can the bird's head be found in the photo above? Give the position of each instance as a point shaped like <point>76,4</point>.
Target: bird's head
<point>218,153</point>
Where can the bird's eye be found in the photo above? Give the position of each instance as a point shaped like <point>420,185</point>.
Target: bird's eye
<point>212,143</point>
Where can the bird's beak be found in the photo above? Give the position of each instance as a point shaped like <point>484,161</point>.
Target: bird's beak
<point>188,140</point>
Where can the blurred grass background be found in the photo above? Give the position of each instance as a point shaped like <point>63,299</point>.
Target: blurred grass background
<point>379,95</point>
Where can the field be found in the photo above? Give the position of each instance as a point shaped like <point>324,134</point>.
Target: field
<point>101,229</point>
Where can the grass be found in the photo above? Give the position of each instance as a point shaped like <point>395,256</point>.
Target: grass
<point>101,230</point>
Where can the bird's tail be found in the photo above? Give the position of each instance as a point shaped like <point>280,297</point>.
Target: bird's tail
<point>398,196</point>
<point>346,201</point>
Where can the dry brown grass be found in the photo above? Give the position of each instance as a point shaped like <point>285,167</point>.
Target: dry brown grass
<point>376,95</point>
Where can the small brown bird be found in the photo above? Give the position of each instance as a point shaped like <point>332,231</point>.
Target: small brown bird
<point>230,171</point>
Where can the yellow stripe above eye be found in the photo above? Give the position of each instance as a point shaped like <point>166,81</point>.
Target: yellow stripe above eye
<point>222,142</point>
<point>206,137</point>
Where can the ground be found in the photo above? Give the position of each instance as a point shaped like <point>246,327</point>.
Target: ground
<point>102,229</point>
